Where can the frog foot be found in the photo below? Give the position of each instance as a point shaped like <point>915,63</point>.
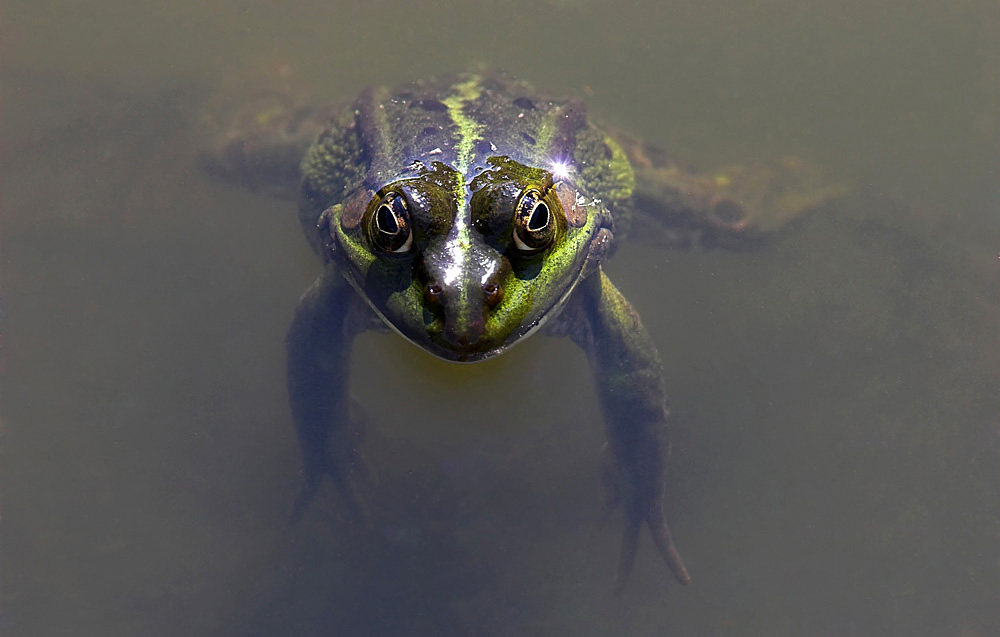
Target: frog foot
<point>652,515</point>
<point>349,473</point>
<point>351,479</point>
<point>641,506</point>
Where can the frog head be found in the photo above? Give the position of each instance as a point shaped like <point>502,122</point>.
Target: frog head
<point>465,266</point>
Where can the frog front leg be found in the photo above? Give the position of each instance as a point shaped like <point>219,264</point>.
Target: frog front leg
<point>319,341</point>
<point>629,380</point>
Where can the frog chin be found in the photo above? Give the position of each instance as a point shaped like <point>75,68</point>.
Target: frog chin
<point>474,352</point>
<point>454,353</point>
<point>485,349</point>
<point>467,355</point>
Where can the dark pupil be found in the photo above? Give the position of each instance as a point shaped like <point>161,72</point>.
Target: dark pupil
<point>539,217</point>
<point>385,219</point>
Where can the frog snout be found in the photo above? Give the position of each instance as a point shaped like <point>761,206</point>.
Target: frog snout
<point>463,309</point>
<point>463,333</point>
<point>463,286</point>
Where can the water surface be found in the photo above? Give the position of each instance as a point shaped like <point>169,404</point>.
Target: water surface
<point>836,461</point>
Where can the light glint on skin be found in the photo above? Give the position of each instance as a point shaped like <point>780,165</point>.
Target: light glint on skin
<point>560,169</point>
<point>488,273</point>
<point>457,255</point>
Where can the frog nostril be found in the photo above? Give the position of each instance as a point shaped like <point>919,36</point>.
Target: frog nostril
<point>493,292</point>
<point>432,292</point>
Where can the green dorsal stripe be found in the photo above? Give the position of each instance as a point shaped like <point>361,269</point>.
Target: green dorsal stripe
<point>468,129</point>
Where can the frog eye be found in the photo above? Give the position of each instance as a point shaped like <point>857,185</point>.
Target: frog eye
<point>534,225</point>
<point>389,228</point>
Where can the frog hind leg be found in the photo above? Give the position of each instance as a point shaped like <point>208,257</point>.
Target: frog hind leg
<point>330,431</point>
<point>257,141</point>
<point>734,207</point>
<point>629,382</point>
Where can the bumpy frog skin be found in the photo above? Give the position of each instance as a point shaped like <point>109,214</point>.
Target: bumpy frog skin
<point>466,213</point>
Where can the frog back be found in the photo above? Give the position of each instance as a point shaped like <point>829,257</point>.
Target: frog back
<point>460,121</point>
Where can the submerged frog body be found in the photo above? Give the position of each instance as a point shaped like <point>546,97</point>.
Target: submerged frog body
<point>466,214</point>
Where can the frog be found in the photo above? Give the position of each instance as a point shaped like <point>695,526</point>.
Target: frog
<point>467,213</point>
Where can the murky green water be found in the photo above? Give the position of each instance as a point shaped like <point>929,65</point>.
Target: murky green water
<point>836,462</point>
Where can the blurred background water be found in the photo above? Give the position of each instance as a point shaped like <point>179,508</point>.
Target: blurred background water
<point>836,461</point>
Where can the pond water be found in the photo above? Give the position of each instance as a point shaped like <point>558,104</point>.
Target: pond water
<point>836,413</point>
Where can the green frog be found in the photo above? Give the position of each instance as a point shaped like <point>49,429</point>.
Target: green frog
<point>468,213</point>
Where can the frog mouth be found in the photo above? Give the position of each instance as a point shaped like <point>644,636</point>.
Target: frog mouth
<point>456,350</point>
<point>473,355</point>
<point>463,348</point>
<point>470,354</point>
<point>475,352</point>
